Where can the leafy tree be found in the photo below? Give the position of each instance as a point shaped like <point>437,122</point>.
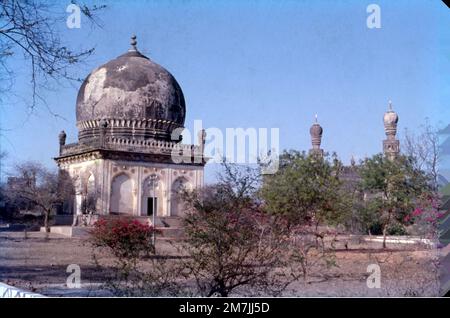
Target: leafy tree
<point>392,188</point>
<point>351,201</point>
<point>305,190</point>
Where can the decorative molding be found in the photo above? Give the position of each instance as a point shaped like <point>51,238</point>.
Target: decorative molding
<point>95,154</point>
<point>128,123</point>
<point>133,128</point>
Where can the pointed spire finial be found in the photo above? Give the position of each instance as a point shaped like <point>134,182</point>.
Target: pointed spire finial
<point>316,118</point>
<point>390,105</point>
<point>133,43</point>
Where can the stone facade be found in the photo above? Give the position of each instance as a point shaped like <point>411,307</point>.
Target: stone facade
<point>105,186</point>
<point>316,132</point>
<point>391,145</point>
<point>129,159</point>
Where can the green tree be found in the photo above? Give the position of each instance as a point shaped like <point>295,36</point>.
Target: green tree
<point>391,188</point>
<point>305,190</point>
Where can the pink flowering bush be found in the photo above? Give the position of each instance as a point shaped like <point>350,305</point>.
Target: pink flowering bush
<point>126,238</point>
<point>129,274</point>
<point>424,218</point>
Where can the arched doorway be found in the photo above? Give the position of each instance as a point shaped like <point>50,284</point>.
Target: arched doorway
<point>176,201</point>
<point>77,196</point>
<point>90,198</point>
<point>152,196</point>
<point>122,195</point>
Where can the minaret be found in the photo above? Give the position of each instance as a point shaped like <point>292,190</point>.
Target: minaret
<point>316,138</point>
<point>391,146</point>
<point>62,140</point>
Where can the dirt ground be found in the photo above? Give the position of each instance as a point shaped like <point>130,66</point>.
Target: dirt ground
<point>37,264</point>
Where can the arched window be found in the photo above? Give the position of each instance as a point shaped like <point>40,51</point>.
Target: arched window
<point>121,194</point>
<point>90,186</point>
<point>176,202</point>
<point>90,198</point>
<point>152,196</point>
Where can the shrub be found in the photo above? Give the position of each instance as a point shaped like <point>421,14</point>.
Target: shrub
<point>376,228</point>
<point>130,274</point>
<point>426,215</point>
<point>396,229</point>
<point>126,238</point>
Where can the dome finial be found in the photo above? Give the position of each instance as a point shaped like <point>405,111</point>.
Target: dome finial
<point>133,43</point>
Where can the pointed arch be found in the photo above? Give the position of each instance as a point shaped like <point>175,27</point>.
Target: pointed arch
<point>176,202</point>
<point>90,198</point>
<point>152,197</point>
<point>122,199</point>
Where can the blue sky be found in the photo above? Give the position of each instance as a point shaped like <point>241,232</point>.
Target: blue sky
<point>263,64</point>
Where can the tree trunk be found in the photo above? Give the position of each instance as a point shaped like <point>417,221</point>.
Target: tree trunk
<point>317,234</point>
<point>386,226</point>
<point>46,225</point>
<point>384,235</point>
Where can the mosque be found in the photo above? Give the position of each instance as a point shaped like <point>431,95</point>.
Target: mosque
<point>391,145</point>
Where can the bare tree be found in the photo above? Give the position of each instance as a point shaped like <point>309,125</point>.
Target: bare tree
<point>424,147</point>
<point>3,155</point>
<point>230,243</point>
<point>27,29</point>
<point>41,188</point>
